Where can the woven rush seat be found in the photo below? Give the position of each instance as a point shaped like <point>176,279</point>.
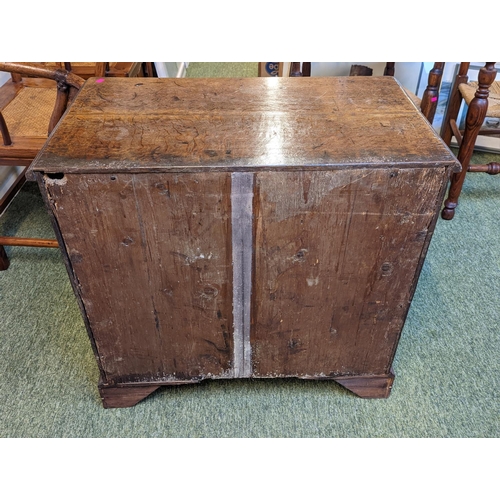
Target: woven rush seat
<point>35,105</point>
<point>31,103</point>
<point>468,91</point>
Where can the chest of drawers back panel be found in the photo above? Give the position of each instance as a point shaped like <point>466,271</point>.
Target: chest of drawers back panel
<point>335,266</point>
<point>153,270</point>
<point>243,227</point>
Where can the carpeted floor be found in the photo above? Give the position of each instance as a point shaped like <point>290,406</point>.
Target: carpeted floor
<point>222,69</point>
<point>447,382</point>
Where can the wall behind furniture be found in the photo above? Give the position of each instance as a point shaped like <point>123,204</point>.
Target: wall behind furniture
<point>407,73</point>
<point>3,77</point>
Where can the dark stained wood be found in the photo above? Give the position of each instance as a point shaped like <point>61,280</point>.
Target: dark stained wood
<point>145,179</point>
<point>476,114</point>
<point>374,386</point>
<point>313,288</point>
<point>492,168</point>
<point>360,70</point>
<point>155,259</point>
<point>148,69</point>
<point>389,69</point>
<point>40,180</point>
<point>4,259</point>
<point>295,69</point>
<point>124,397</point>
<point>454,103</point>
<point>431,94</point>
<point>4,131</point>
<point>456,132</point>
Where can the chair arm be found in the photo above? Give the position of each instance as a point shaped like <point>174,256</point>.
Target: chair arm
<point>68,84</point>
<point>39,71</point>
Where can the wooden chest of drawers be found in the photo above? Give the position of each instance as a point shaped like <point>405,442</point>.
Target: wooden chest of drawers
<point>228,228</point>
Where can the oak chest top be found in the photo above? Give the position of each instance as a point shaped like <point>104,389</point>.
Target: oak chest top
<point>233,123</point>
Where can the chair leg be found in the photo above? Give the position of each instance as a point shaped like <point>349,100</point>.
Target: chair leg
<point>475,118</point>
<point>4,260</point>
<point>431,93</point>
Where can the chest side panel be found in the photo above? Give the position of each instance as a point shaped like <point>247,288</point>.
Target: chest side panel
<point>152,257</point>
<point>336,258</point>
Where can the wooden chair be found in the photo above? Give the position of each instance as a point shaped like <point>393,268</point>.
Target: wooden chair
<point>31,104</point>
<point>483,100</point>
<point>87,70</point>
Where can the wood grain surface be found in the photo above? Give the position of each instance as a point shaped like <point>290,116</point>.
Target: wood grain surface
<point>228,123</point>
<point>336,258</point>
<point>333,186</point>
<point>152,259</point>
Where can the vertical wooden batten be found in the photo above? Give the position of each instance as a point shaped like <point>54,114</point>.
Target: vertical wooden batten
<point>242,245</point>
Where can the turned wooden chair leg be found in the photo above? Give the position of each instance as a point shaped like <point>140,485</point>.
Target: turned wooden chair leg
<point>475,118</point>
<point>431,94</point>
<point>4,260</point>
<point>389,69</point>
<point>295,69</point>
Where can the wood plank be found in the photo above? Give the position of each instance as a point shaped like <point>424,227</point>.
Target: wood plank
<point>336,254</point>
<point>153,270</point>
<point>124,397</point>
<point>371,386</point>
<point>241,123</point>
<point>22,151</point>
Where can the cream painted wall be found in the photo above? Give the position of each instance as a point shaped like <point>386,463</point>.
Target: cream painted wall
<point>4,77</point>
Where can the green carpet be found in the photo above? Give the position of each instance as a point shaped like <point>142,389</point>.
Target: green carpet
<point>222,69</point>
<point>447,382</point>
